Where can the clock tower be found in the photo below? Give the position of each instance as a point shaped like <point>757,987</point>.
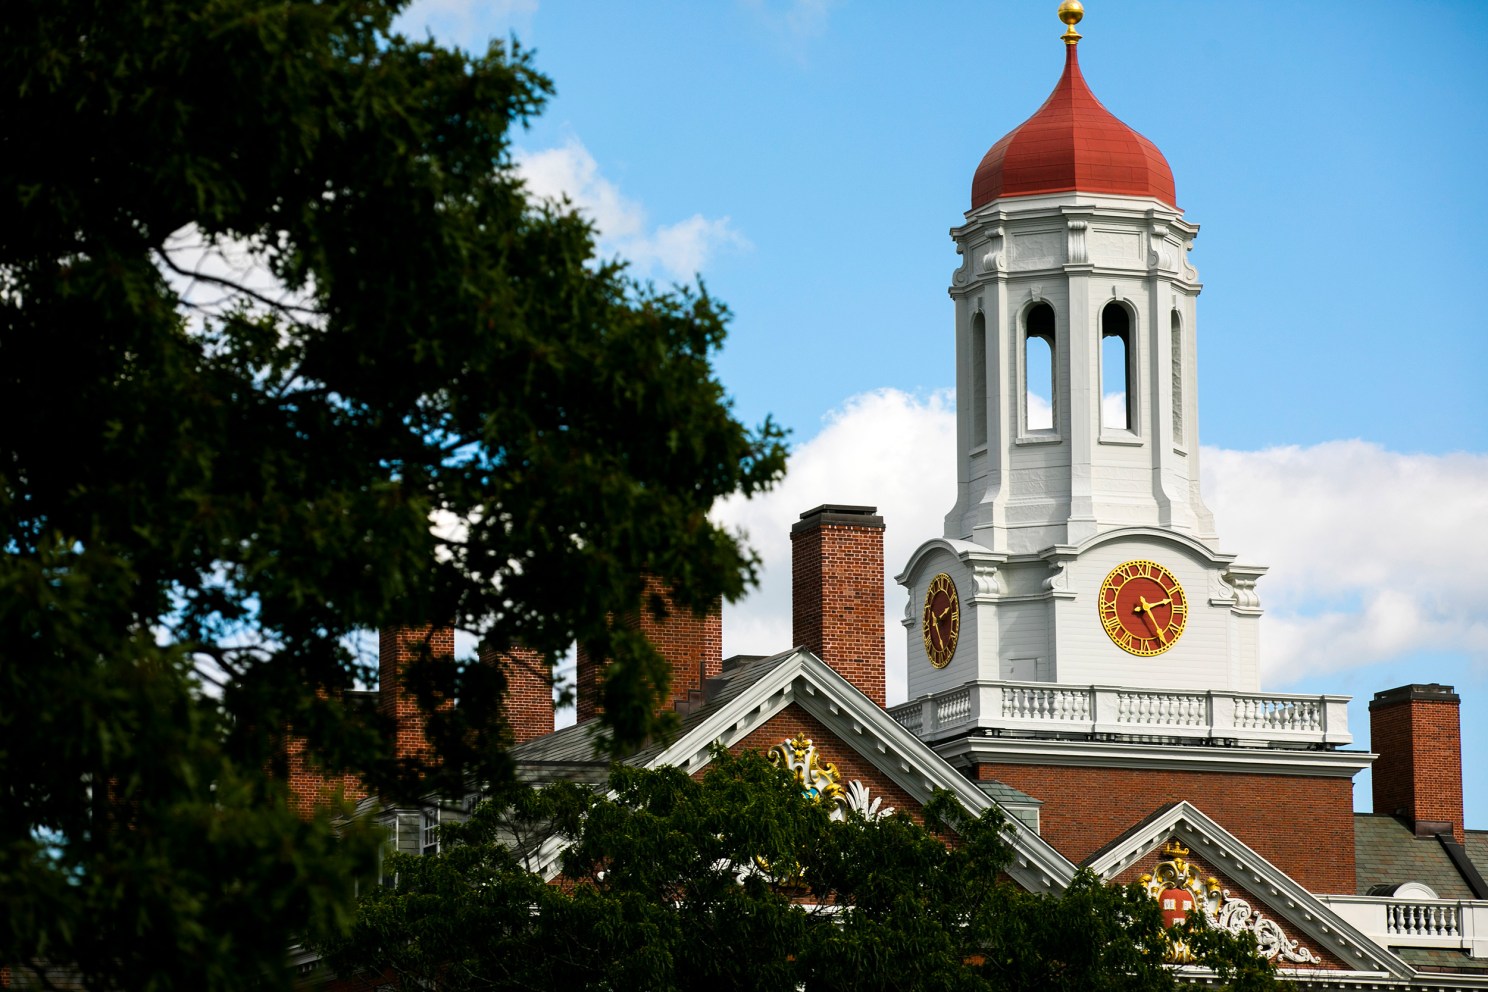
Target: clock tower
<point>1079,549</point>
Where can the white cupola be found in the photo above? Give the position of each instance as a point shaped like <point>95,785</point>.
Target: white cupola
<point>1077,436</point>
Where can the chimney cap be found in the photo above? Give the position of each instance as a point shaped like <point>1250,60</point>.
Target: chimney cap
<point>1434,692</point>
<point>840,515</point>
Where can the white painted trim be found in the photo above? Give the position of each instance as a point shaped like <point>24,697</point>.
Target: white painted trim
<point>1155,757</point>
<point>964,551</point>
<point>1157,534</point>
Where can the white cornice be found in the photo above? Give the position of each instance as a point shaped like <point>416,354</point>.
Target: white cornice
<point>1053,205</point>
<point>965,551</point>
<point>1154,757</point>
<point>1215,558</point>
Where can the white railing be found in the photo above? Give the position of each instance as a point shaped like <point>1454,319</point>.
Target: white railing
<point>1458,924</point>
<point>1052,708</point>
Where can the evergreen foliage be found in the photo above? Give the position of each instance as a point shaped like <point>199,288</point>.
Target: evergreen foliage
<point>213,476</point>
<point>739,882</point>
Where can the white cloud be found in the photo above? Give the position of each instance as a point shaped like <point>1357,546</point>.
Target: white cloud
<point>886,449</point>
<point>1374,555</point>
<point>213,275</point>
<point>678,251</point>
<point>1040,413</point>
<point>467,24</point>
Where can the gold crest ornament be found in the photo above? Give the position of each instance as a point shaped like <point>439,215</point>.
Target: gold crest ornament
<point>941,623</point>
<point>1181,894</point>
<point>819,779</point>
<point>1142,607</point>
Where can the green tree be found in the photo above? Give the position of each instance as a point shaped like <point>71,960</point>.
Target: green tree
<point>739,882</point>
<point>213,476</point>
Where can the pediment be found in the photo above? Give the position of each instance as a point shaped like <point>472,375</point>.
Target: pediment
<point>1181,847</point>
<point>801,694</point>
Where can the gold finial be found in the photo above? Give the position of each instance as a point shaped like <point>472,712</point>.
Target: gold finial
<point>1070,12</point>
<point>1172,848</point>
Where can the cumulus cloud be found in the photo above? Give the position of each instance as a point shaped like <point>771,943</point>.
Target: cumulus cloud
<point>678,251</point>
<point>1374,555</point>
<point>887,449</point>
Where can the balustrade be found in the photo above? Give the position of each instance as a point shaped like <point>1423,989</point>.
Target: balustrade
<point>1458,924</point>
<point>1417,919</point>
<point>1032,707</point>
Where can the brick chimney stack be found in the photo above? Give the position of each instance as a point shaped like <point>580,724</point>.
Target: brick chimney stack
<point>399,647</point>
<point>529,690</point>
<point>692,645</point>
<point>837,592</point>
<point>1417,733</point>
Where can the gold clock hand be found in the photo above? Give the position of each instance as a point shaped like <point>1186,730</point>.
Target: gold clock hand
<point>1146,607</point>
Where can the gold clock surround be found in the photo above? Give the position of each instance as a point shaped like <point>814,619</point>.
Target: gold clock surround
<point>1142,607</point>
<point>941,621</point>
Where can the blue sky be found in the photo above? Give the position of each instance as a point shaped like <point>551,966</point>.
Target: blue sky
<point>807,158</point>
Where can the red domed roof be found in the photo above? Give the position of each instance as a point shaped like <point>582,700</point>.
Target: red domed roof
<point>1072,143</point>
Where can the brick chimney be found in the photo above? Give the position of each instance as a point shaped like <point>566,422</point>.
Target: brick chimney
<point>529,690</point>
<point>691,644</point>
<point>837,592</point>
<point>399,647</point>
<point>1416,731</point>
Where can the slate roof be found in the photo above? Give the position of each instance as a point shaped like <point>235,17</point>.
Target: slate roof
<point>1441,959</point>
<point>1475,842</point>
<point>1018,804</point>
<point>1387,853</point>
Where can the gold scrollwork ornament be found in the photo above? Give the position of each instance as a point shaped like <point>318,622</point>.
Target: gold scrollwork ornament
<point>819,779</point>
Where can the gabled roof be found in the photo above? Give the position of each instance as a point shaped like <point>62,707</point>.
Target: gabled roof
<point>1305,914</point>
<point>749,696</point>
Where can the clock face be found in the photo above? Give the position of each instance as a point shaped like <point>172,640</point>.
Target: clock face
<point>941,623</point>
<point>1142,607</point>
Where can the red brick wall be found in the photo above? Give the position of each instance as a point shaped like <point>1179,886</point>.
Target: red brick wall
<point>1417,733</point>
<point>309,787</point>
<point>692,645</point>
<point>397,648</point>
<point>837,592</point>
<point>529,691</point>
<point>1145,865</point>
<point>1303,825</point>
<point>850,765</point>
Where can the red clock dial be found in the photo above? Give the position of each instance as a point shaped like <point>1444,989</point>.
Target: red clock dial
<point>941,621</point>
<point>1142,607</point>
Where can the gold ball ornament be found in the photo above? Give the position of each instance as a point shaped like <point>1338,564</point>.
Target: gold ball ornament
<point>1070,12</point>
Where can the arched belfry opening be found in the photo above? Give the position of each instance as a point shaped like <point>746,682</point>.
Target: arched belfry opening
<point>1038,368</point>
<point>1177,377</point>
<point>978,379</point>
<point>1116,367</point>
